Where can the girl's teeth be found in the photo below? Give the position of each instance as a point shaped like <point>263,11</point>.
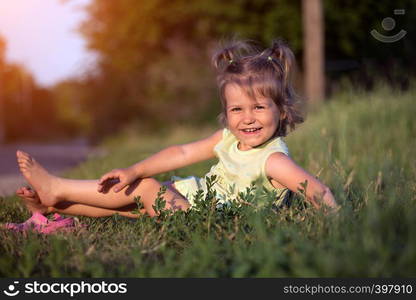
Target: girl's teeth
<point>250,130</point>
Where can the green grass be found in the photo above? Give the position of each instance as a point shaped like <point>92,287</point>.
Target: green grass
<point>361,145</point>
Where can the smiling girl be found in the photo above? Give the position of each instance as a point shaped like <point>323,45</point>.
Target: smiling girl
<point>258,110</point>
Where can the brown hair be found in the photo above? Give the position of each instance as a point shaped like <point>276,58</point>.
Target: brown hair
<point>267,73</point>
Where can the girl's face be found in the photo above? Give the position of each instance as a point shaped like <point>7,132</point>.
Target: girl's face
<point>252,121</point>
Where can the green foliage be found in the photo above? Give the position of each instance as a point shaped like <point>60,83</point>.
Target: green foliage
<point>360,145</point>
<point>132,34</point>
<point>69,96</point>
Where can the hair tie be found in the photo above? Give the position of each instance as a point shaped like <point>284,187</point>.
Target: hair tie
<point>269,58</point>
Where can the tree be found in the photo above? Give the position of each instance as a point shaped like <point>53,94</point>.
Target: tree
<point>313,49</point>
<point>2,66</point>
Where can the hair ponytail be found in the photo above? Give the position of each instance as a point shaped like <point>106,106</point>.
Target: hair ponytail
<point>283,56</point>
<point>282,53</point>
<point>232,52</point>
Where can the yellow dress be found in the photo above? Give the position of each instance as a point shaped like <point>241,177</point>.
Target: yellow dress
<point>235,171</point>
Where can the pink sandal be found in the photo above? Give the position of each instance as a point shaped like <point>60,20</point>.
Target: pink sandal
<point>39,223</point>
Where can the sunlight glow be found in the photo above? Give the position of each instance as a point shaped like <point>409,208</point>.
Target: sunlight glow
<point>41,34</point>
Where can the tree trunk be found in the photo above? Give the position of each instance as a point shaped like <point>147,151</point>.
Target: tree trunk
<point>313,49</point>
<point>2,65</point>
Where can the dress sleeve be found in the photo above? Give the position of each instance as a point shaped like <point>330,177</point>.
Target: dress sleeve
<point>225,134</point>
<point>280,146</point>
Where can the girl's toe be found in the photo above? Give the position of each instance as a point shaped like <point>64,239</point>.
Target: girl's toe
<point>22,159</point>
<point>20,153</point>
<point>24,156</point>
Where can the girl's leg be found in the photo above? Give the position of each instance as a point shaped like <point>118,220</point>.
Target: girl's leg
<point>53,190</point>
<point>95,212</point>
<point>33,204</point>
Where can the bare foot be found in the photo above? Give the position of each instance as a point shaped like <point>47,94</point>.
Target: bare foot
<point>32,201</point>
<point>44,183</point>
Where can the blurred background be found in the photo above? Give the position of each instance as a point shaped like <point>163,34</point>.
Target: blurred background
<point>145,63</point>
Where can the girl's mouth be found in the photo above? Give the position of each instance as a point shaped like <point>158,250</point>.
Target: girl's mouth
<point>250,131</point>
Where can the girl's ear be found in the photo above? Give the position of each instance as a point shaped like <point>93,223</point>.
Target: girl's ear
<point>283,115</point>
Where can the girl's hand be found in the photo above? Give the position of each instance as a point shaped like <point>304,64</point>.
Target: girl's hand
<point>123,177</point>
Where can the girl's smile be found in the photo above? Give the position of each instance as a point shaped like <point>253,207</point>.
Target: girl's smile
<point>252,121</point>
<point>251,130</point>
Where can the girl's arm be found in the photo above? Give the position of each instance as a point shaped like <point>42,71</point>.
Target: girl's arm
<point>283,169</point>
<point>178,156</point>
<point>168,159</point>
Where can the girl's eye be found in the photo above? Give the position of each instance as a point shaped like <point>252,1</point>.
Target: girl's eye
<point>235,109</point>
<point>259,107</point>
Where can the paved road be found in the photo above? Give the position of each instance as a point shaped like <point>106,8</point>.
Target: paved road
<point>55,157</point>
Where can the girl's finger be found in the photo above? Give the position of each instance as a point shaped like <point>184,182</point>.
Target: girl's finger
<point>119,187</point>
<point>102,182</point>
<point>101,186</point>
<point>105,177</point>
<point>102,179</point>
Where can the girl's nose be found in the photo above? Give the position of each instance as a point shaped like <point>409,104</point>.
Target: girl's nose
<point>248,117</point>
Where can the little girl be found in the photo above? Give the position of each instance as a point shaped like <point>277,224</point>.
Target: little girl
<point>257,111</point>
